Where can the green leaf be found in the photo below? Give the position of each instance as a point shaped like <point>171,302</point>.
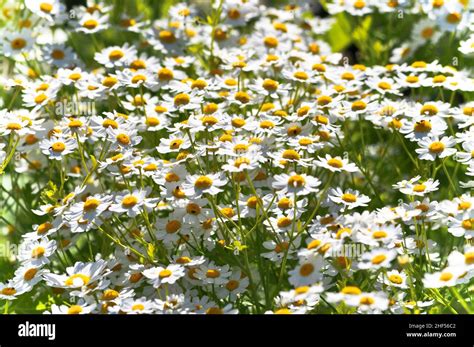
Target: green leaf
<point>339,36</point>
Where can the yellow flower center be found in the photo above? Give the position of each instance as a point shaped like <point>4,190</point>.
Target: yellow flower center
<point>152,121</point>
<point>181,99</point>
<point>238,122</point>
<point>90,24</point>
<point>445,276</point>
<point>348,76</point>
<point>366,300</point>
<point>243,97</point>
<point>358,105</point>
<point>173,226</point>
<point>46,7</point>
<point>342,231</point>
<point>18,43</point>
<point>232,285</point>
<point>313,244</point>
<point>306,269</point>
<point>138,307</point>
<point>394,278</point>
<point>284,222</point>
<point>116,54</point>
<point>165,74</point>
<point>359,4</point>
<point>138,78</point>
<point>439,79</point>
<point>294,130</point>
<point>429,110</point>
<point>199,84</point>
<point>110,123</point>
<point>385,85</point>
<point>281,247</point>
<point>427,32</point>
<point>84,279</point>
<point>266,124</point>
<point>464,205</point>
<point>283,311</point>
<point>379,234</point>
<point>129,201</point>
<point>138,64</point>
<point>290,154</point>
<point>109,81</point>
<point>469,258</point>
<point>324,100</point>
<point>209,121</point>
<point>74,309</point>
<point>348,197</point>
<point>418,65</point>
<point>351,290</point>
<point>334,162</point>
<point>419,188</point>
<point>91,204</point>
<point>110,294</point>
<point>378,259</point>
<point>285,204</point>
<point>296,181</point>
<point>40,98</point>
<point>436,147</point>
<point>135,277</point>
<point>212,273</point>
<point>203,182</point>
<point>58,147</point>
<point>75,123</point>
<point>301,75</point>
<point>14,126</point>
<point>167,36</point>
<point>30,274</point>
<point>468,224</point>
<point>165,273</point>
<point>214,310</point>
<point>240,161</point>
<point>123,139</point>
<point>270,42</point>
<point>270,85</point>
<point>454,17</point>
<point>422,126</point>
<point>280,27</point>
<point>176,143</point>
<point>58,54</point>
<point>233,13</point>
<point>412,79</point>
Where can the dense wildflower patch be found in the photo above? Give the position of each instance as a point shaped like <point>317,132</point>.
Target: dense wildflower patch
<point>229,159</point>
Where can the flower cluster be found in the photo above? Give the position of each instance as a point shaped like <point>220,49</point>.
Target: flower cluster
<point>233,162</point>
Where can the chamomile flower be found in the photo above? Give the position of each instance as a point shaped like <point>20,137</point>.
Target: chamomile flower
<point>336,164</point>
<point>133,203</point>
<point>435,147</point>
<point>46,9</point>
<point>416,187</point>
<point>299,184</point>
<point>81,307</point>
<point>445,278</point>
<point>197,185</point>
<point>307,272</point>
<point>213,274</point>
<point>77,276</point>
<point>377,258</point>
<point>348,199</point>
<point>37,252</point>
<point>57,148</point>
<point>158,276</point>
